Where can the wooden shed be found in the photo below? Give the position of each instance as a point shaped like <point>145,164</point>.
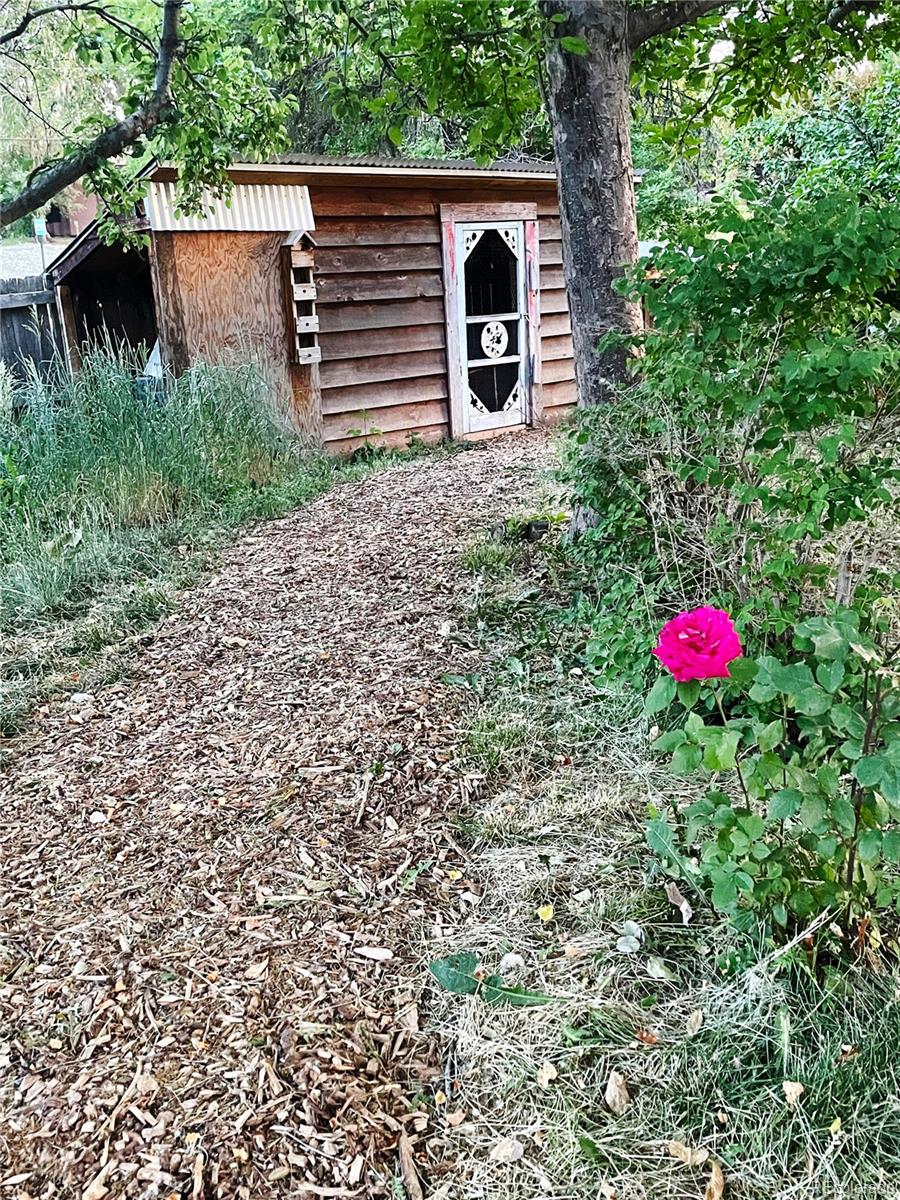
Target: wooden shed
<point>384,298</point>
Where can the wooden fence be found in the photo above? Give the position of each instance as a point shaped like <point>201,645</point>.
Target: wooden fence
<point>31,337</point>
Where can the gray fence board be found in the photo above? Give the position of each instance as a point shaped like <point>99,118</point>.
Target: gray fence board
<point>30,333</point>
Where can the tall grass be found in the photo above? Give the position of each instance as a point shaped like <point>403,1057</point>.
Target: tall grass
<point>109,490</point>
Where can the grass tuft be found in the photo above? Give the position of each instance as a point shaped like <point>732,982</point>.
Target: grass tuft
<point>114,493</point>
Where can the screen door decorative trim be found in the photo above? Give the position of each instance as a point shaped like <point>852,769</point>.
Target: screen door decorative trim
<point>491,302</point>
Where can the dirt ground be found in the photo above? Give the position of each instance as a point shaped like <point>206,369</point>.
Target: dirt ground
<point>214,875</point>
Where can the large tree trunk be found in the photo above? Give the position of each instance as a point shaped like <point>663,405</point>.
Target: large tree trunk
<point>589,101</point>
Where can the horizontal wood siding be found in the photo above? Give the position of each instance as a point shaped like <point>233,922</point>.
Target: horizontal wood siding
<point>381,316</point>
<point>379,286</point>
<point>558,364</point>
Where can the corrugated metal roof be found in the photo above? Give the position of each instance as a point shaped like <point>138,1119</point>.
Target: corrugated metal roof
<point>249,208</point>
<point>523,166</point>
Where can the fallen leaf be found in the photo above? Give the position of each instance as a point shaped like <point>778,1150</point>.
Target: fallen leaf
<point>694,1022</point>
<point>835,1127</point>
<point>792,1092</point>
<point>657,969</point>
<point>686,1154</point>
<point>848,1053</point>
<point>456,1118</point>
<point>546,1074</point>
<point>647,1036</point>
<point>545,912</point>
<point>616,1094</point>
<point>608,1192</point>
<point>508,1150</point>
<point>376,953</point>
<point>675,897</point>
<point>715,1189</point>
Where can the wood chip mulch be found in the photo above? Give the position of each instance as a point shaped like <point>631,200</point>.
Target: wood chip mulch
<point>213,874</point>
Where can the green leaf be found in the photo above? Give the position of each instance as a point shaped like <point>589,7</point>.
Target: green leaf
<point>575,45</point>
<point>720,751</point>
<point>395,133</point>
<point>827,639</point>
<point>724,894</point>
<point>670,740</point>
<point>812,813</point>
<point>868,771</point>
<point>770,736</point>
<point>456,973</point>
<point>689,693</point>
<point>686,759</point>
<point>661,695</point>
<point>494,991</point>
<point>661,839</point>
<point>891,845</point>
<point>812,701</point>
<point>784,804</point>
<point>743,670</point>
<point>869,845</point>
<point>889,784</point>
<point>791,678</point>
<point>843,815</point>
<point>828,779</point>
<point>830,675</point>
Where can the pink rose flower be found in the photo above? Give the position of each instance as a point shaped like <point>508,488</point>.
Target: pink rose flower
<point>698,644</point>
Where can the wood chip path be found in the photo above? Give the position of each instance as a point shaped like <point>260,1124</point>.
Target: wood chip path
<point>212,874</point>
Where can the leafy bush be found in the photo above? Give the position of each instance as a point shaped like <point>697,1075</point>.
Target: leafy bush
<point>815,744</point>
<point>847,135</point>
<point>752,462</point>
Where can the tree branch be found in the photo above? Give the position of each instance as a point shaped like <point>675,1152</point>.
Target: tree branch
<point>52,178</point>
<point>35,14</point>
<point>837,14</point>
<point>645,23</point>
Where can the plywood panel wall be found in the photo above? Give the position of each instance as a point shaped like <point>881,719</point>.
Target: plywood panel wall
<point>221,298</point>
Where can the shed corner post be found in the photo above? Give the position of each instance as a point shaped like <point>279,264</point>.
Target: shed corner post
<point>65,306</point>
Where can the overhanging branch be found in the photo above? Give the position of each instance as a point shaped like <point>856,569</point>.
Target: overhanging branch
<point>48,181</point>
<point>645,23</point>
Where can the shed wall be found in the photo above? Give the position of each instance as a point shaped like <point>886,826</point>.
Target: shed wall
<point>221,298</point>
<point>381,312</point>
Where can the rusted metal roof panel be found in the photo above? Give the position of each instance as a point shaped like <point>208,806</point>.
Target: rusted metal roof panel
<point>250,207</point>
<point>524,166</point>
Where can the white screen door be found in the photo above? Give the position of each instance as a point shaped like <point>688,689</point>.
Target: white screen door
<point>491,300</point>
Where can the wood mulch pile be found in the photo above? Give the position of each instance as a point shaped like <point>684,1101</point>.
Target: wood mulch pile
<point>214,874</point>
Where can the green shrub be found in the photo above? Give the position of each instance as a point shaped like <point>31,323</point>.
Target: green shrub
<point>815,745</point>
<point>755,452</point>
<point>752,465</point>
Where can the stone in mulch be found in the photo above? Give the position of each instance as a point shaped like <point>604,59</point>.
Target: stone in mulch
<point>212,875</point>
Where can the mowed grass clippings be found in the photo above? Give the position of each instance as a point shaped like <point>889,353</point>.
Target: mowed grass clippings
<point>730,1063</point>
<point>211,872</point>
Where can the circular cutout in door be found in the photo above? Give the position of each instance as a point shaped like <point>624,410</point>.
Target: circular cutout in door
<point>494,339</point>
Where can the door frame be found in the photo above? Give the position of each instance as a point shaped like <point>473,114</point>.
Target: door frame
<point>452,215</point>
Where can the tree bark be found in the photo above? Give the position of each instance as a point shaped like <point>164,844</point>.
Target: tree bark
<point>590,114</point>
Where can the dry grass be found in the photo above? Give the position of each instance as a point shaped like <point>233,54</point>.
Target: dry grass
<point>705,1024</point>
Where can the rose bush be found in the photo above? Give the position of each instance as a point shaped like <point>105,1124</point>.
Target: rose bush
<point>801,761</point>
